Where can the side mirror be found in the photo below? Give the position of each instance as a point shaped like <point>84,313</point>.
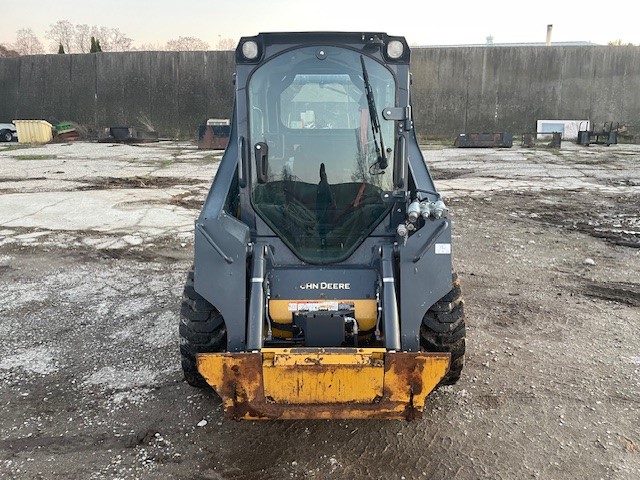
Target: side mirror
<point>261,150</point>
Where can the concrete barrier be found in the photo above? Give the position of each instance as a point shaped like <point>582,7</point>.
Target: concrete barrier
<point>455,89</point>
<point>509,88</point>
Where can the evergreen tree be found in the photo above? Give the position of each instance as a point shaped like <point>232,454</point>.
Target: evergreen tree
<point>93,45</point>
<point>98,47</point>
<point>61,50</point>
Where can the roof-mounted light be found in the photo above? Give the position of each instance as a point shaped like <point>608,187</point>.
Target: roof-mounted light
<point>250,50</point>
<point>395,49</point>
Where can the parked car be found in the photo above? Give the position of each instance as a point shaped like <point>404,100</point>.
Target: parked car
<point>8,132</point>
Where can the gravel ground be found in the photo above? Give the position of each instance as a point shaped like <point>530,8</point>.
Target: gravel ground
<point>95,241</point>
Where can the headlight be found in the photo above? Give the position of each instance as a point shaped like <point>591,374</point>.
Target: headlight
<point>250,49</point>
<point>395,49</point>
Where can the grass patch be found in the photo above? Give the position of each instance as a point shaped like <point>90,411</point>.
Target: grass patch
<point>211,158</point>
<point>35,157</point>
<point>17,146</point>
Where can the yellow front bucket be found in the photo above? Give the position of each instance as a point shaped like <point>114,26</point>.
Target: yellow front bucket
<point>323,383</point>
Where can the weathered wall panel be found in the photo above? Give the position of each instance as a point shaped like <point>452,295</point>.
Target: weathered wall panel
<point>136,89</point>
<point>9,88</point>
<point>83,102</point>
<point>163,104</point>
<point>219,68</point>
<point>192,92</point>
<point>31,87</point>
<point>110,84</point>
<point>56,93</point>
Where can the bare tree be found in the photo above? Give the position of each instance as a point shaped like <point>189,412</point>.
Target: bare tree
<point>111,39</point>
<point>76,39</point>
<point>148,47</point>
<point>82,38</point>
<point>182,44</point>
<point>618,42</point>
<point>62,33</point>
<point>102,34</point>
<point>27,43</point>
<point>116,41</point>
<point>119,41</point>
<point>7,51</point>
<point>226,44</point>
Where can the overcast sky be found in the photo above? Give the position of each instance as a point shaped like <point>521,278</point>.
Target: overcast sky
<point>421,22</point>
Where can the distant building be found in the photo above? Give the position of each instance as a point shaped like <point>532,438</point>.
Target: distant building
<point>580,43</point>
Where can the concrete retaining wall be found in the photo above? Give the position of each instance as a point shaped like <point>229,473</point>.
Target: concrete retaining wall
<point>171,91</point>
<point>454,89</point>
<point>509,88</point>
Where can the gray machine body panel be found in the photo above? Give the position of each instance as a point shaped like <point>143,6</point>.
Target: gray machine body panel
<point>219,237</point>
<point>425,282</point>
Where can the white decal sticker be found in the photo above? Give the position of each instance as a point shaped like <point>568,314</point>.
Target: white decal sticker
<point>329,306</point>
<point>443,249</point>
<point>308,307</point>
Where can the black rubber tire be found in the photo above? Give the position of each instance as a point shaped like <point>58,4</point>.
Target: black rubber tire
<point>202,330</point>
<point>443,330</point>
<point>6,135</point>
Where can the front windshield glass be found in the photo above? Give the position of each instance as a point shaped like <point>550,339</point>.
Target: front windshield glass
<point>323,186</point>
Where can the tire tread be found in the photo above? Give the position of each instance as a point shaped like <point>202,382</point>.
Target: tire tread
<point>444,330</point>
<point>201,329</point>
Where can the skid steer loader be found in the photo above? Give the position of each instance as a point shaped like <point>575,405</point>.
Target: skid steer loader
<point>322,284</point>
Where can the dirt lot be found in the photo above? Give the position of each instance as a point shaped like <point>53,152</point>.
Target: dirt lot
<point>95,241</point>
